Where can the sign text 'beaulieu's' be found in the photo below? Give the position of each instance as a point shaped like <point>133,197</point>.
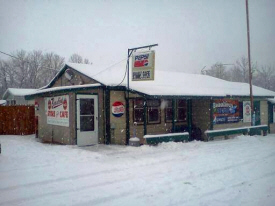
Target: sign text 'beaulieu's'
<point>57,110</point>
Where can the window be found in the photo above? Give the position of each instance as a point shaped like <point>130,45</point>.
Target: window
<point>168,111</point>
<point>241,110</point>
<point>153,111</point>
<point>180,108</point>
<point>138,110</point>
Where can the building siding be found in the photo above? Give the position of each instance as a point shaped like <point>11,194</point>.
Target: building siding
<point>118,124</point>
<point>264,112</point>
<point>201,115</point>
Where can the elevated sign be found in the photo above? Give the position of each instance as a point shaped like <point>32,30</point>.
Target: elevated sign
<point>143,66</point>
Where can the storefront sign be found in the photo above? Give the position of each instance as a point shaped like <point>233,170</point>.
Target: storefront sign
<point>225,111</point>
<point>57,110</point>
<point>143,66</point>
<point>246,111</point>
<point>118,109</point>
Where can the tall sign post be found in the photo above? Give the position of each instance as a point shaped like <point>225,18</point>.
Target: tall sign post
<point>143,74</point>
<point>249,60</point>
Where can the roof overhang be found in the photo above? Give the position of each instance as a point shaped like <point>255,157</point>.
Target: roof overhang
<point>64,89</point>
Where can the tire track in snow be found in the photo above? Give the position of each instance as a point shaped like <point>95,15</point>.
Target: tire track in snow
<point>106,183</point>
<point>217,191</point>
<point>80,176</point>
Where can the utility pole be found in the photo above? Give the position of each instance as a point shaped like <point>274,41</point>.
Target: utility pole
<point>249,60</point>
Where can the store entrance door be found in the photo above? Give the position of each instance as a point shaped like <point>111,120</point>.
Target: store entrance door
<point>87,120</point>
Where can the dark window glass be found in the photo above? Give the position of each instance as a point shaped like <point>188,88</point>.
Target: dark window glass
<point>168,111</point>
<point>153,103</point>
<point>86,106</point>
<point>181,110</point>
<point>138,110</point>
<point>241,110</point>
<point>86,123</point>
<point>153,115</point>
<point>153,110</point>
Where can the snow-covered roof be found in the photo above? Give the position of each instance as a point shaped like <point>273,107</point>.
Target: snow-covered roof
<point>3,102</point>
<point>272,100</point>
<point>17,92</point>
<point>172,83</point>
<point>56,89</point>
<point>166,83</point>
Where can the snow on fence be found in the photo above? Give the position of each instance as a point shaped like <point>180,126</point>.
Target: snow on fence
<point>17,120</point>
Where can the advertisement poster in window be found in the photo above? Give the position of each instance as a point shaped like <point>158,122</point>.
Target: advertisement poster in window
<point>57,110</point>
<point>143,66</point>
<point>246,111</point>
<point>226,111</point>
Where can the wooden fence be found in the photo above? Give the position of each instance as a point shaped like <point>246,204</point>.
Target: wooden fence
<point>17,120</point>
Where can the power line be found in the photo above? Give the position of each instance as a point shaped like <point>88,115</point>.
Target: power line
<point>123,77</point>
<point>109,67</point>
<point>9,55</point>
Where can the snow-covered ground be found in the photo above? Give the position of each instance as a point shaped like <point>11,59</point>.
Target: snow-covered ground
<point>239,171</point>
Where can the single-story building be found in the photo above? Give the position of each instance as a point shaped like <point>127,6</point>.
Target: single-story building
<point>16,96</point>
<point>83,105</point>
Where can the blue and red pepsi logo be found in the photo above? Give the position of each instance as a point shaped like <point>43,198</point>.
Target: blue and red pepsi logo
<point>141,60</point>
<point>118,109</point>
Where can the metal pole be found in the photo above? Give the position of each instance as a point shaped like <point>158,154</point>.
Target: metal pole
<point>249,60</point>
<point>127,103</point>
<point>130,51</point>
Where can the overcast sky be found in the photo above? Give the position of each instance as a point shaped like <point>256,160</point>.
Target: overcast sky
<point>191,33</point>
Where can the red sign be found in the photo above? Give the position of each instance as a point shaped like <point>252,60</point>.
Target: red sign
<point>118,109</point>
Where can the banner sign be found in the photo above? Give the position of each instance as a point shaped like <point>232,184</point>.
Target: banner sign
<point>225,111</point>
<point>246,111</point>
<point>57,110</point>
<point>118,109</point>
<point>143,66</point>
<point>273,113</point>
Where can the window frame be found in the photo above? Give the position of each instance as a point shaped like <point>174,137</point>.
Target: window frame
<point>185,109</point>
<point>176,109</point>
<point>147,111</point>
<point>154,107</point>
<point>166,108</point>
<point>134,109</point>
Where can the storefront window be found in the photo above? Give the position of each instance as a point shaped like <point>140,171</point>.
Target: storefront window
<point>168,111</point>
<point>153,111</point>
<point>153,107</point>
<point>180,108</point>
<point>138,110</point>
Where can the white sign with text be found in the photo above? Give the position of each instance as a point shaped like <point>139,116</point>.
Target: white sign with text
<point>57,110</point>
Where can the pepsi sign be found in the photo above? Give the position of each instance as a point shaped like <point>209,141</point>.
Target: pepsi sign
<point>118,109</point>
<point>143,66</point>
<point>141,60</point>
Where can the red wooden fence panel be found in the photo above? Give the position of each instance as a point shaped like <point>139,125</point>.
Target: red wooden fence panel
<point>17,120</point>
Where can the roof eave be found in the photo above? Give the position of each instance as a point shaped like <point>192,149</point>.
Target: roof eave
<point>32,96</point>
